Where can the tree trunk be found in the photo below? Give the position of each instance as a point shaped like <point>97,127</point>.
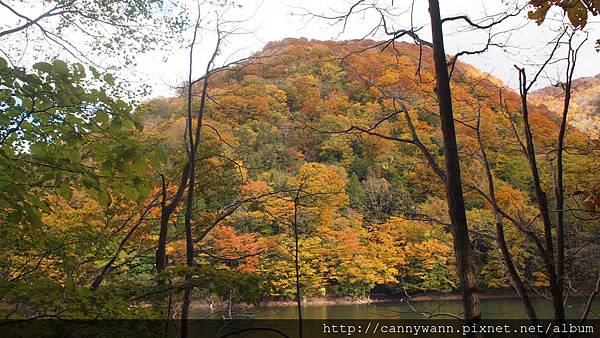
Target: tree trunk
<point>189,252</point>
<point>559,185</point>
<point>555,290</point>
<point>297,266</point>
<point>456,207</point>
<point>191,153</point>
<point>166,212</point>
<point>505,256</point>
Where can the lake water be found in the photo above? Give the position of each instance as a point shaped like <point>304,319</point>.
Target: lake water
<point>508,308</point>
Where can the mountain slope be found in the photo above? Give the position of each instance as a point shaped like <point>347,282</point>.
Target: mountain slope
<point>330,113</point>
<point>585,104</point>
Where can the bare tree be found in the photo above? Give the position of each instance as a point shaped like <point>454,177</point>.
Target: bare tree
<point>554,252</point>
<point>192,139</point>
<point>192,143</point>
<point>505,254</point>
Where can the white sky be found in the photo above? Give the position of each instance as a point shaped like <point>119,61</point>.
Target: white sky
<point>278,19</point>
<point>274,20</point>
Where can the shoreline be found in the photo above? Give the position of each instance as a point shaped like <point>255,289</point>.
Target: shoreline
<point>371,299</point>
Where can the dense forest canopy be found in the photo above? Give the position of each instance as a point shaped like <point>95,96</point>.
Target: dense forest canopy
<point>309,169</point>
<point>371,209</point>
<point>586,105</point>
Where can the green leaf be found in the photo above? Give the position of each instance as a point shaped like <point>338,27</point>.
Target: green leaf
<point>138,124</point>
<point>13,217</point>
<point>104,198</point>
<point>130,192</point>
<point>95,72</point>
<point>116,125</point>
<point>43,66</point>
<point>160,156</point>
<point>69,284</point>
<point>109,79</point>
<point>80,69</point>
<point>65,192</point>
<point>72,154</point>
<point>102,116</point>
<point>38,150</point>
<point>144,189</point>
<point>138,166</point>
<point>90,183</point>
<point>60,67</point>
<point>34,217</point>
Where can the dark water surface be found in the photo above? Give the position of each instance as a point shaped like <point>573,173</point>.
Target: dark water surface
<point>508,308</point>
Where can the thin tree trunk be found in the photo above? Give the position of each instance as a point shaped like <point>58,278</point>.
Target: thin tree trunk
<point>456,207</point>
<point>191,152</point>
<point>297,266</point>
<point>189,252</point>
<point>194,143</point>
<point>559,185</point>
<point>166,212</point>
<point>161,251</point>
<point>590,302</point>
<point>555,290</point>
<point>509,266</point>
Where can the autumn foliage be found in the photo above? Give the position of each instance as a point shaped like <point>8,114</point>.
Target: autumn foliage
<point>297,138</point>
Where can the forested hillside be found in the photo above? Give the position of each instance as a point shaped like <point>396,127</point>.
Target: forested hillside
<point>315,116</point>
<point>336,144</point>
<point>586,98</point>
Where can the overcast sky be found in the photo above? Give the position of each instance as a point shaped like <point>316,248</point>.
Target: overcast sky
<point>273,20</point>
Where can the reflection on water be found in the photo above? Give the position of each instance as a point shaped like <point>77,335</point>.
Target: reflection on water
<point>508,308</point>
